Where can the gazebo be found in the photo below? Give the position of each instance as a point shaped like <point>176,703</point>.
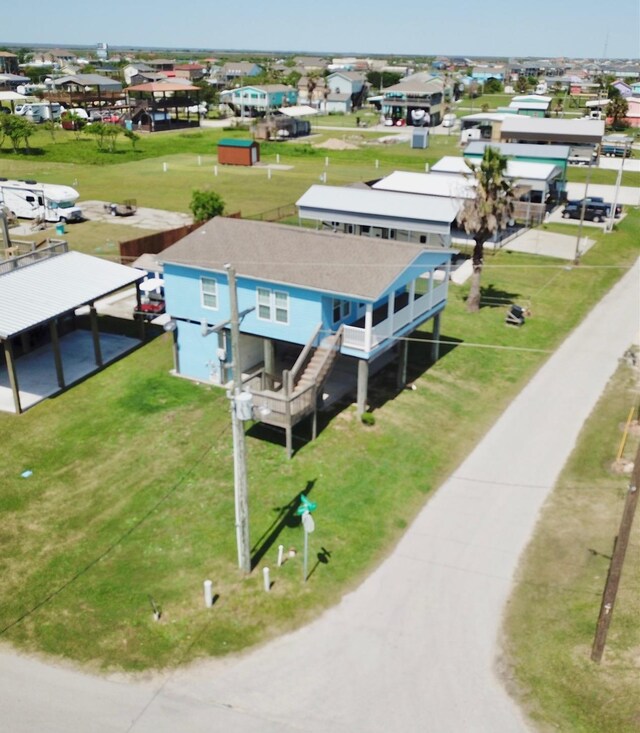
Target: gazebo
<point>157,105</point>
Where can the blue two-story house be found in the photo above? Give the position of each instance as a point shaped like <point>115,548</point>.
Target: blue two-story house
<point>255,101</point>
<point>320,310</point>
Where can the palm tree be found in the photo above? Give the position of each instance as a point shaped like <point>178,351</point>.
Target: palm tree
<point>617,109</point>
<point>489,211</point>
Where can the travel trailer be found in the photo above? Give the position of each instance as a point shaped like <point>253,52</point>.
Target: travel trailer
<point>40,111</point>
<point>33,200</point>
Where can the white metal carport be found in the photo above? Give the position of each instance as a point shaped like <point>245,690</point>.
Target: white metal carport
<point>38,291</point>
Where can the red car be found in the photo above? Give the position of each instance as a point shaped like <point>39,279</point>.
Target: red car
<point>150,310</point>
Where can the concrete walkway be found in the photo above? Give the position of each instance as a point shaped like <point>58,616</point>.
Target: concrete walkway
<point>414,647</point>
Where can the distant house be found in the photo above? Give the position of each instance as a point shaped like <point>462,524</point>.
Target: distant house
<point>236,70</point>
<point>482,74</point>
<point>79,82</point>
<point>353,84</point>
<point>635,89</point>
<point>310,303</point>
<point>255,101</point>
<point>193,72</point>
<point>310,63</point>
<point>582,136</point>
<point>413,101</point>
<point>532,105</point>
<point>161,64</point>
<point>537,181</point>
<point>557,155</point>
<point>317,95</point>
<point>55,57</point>
<point>633,113</point>
<point>8,63</point>
<point>625,89</point>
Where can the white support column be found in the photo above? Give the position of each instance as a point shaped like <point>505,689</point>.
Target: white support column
<point>431,279</point>
<point>412,297</point>
<point>363,386</point>
<point>368,325</point>
<point>447,277</point>
<point>391,304</point>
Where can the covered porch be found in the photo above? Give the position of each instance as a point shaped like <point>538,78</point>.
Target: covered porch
<point>377,328</point>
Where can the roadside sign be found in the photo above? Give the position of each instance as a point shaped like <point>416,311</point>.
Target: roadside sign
<point>308,523</point>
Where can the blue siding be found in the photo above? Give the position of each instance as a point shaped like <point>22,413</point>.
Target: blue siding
<point>197,355</point>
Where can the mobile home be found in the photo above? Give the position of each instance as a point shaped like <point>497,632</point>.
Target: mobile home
<point>32,200</point>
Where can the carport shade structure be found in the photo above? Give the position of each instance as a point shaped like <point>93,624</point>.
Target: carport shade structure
<point>36,289</point>
<point>152,98</point>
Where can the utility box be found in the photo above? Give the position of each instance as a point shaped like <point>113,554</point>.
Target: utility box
<point>420,137</point>
<point>238,152</point>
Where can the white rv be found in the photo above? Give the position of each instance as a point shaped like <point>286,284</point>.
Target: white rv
<point>40,111</point>
<point>31,200</point>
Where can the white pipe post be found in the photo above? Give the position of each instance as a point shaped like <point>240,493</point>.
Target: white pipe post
<point>208,594</point>
<point>326,161</point>
<point>280,555</point>
<point>267,582</point>
<point>277,157</point>
<point>377,163</point>
<point>199,160</point>
<point>269,173</point>
<point>164,167</point>
<point>215,170</point>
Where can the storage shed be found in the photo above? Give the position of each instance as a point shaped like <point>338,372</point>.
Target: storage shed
<point>238,152</point>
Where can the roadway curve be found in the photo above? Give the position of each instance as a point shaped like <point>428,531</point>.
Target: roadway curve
<point>414,647</point>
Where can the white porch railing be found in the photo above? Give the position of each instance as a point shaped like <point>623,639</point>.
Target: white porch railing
<point>354,338</point>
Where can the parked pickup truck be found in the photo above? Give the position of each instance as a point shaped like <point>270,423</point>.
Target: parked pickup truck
<point>595,209</point>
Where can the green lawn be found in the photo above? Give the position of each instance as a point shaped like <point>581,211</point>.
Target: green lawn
<point>131,492</point>
<point>191,164</point>
<point>552,615</point>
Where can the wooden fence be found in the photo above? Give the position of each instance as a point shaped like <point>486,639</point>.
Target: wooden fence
<point>152,243</point>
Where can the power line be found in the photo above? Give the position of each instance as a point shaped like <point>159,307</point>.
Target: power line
<point>57,591</point>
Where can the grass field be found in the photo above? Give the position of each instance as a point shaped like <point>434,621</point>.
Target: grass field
<point>191,165</point>
<point>552,615</point>
<point>131,494</point>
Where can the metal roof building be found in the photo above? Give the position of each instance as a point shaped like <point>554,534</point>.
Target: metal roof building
<point>518,128</point>
<point>380,213</point>
<point>424,184</point>
<point>42,289</point>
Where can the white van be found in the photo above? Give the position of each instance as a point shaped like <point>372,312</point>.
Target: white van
<point>31,200</point>
<point>40,111</point>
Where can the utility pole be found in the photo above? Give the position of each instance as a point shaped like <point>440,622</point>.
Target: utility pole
<point>609,225</point>
<point>578,253</point>
<point>239,450</point>
<point>617,561</point>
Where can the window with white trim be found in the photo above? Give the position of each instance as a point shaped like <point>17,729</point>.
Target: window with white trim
<point>209,292</point>
<point>341,309</point>
<point>273,305</point>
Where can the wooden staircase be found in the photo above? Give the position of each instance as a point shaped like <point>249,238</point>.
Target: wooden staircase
<point>320,364</point>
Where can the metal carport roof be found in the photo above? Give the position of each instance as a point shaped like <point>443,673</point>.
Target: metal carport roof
<point>38,292</point>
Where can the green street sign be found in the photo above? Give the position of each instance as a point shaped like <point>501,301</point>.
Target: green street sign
<point>305,506</point>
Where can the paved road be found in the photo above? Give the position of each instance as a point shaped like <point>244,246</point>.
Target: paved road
<point>414,647</point>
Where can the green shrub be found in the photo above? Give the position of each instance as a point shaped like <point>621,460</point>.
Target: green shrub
<point>368,418</point>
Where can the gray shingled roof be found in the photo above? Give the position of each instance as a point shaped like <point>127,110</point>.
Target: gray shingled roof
<point>344,264</point>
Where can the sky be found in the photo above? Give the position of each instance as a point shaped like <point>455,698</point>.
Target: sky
<point>546,28</point>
